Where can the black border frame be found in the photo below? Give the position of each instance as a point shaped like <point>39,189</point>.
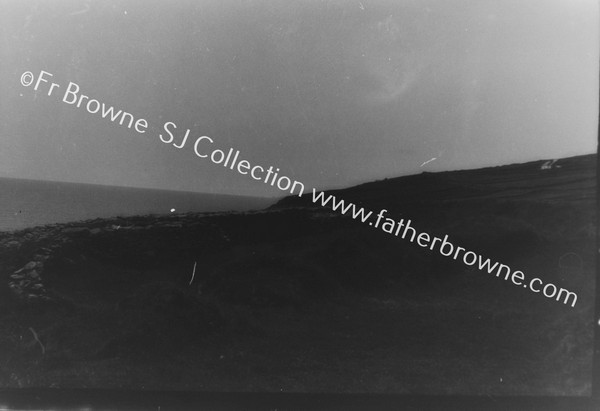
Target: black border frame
<point>93,399</point>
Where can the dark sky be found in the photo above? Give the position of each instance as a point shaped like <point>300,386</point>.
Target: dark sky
<point>333,93</point>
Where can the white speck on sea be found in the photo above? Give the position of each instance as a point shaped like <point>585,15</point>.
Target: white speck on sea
<point>172,210</point>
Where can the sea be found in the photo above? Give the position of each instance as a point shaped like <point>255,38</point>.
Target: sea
<point>30,203</point>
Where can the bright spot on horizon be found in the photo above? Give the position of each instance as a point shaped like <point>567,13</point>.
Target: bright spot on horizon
<point>172,210</point>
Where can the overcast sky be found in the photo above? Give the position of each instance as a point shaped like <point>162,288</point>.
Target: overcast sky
<point>334,93</point>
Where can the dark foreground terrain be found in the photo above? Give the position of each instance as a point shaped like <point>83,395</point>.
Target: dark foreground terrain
<point>299,298</point>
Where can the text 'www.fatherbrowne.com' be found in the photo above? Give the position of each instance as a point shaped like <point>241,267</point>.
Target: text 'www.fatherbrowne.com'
<point>405,230</point>
<point>205,148</point>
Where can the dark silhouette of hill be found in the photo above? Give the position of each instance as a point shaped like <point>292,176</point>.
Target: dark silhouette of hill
<point>568,180</point>
<point>300,298</point>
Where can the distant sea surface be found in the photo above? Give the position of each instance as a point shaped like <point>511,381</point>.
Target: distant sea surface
<point>29,203</point>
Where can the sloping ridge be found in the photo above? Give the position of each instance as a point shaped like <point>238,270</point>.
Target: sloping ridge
<point>570,179</point>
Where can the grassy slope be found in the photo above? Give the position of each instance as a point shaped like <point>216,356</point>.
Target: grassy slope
<point>297,299</point>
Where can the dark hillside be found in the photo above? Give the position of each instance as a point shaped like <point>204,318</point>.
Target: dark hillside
<point>568,181</point>
<point>299,298</point>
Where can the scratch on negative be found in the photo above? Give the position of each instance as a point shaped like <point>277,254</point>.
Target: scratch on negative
<point>38,340</point>
<point>428,161</point>
<point>193,273</point>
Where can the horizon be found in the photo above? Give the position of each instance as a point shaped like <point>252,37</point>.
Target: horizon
<point>289,195</point>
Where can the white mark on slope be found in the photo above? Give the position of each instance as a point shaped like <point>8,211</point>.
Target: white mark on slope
<point>193,273</point>
<point>38,340</point>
